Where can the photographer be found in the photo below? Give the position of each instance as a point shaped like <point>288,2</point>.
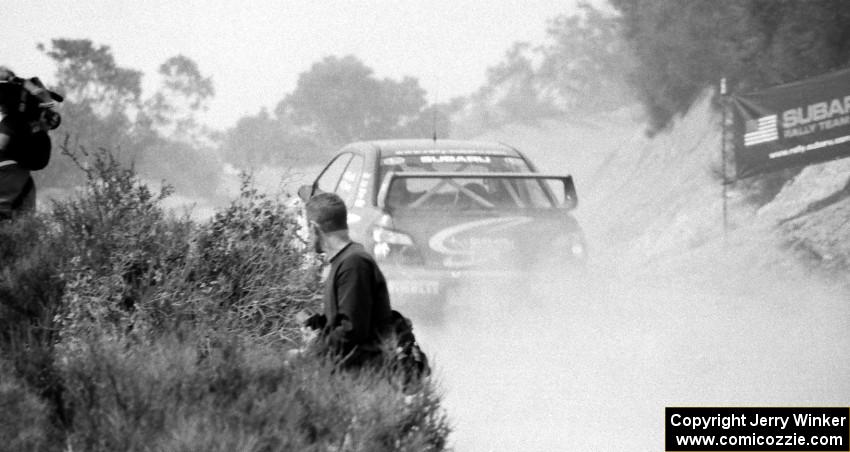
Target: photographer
<point>356,300</point>
<point>26,114</point>
<point>358,327</point>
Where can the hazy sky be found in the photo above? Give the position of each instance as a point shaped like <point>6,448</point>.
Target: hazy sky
<point>254,50</point>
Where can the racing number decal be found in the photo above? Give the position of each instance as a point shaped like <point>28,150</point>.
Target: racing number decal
<point>360,200</point>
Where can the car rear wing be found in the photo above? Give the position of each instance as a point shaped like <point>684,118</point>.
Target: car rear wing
<point>570,200</point>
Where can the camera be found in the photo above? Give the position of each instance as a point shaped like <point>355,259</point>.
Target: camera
<point>31,100</point>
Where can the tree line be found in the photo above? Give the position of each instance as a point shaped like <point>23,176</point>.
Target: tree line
<point>105,107</point>
<point>681,47</point>
<point>339,99</point>
<point>577,70</point>
<point>660,53</point>
<point>336,101</point>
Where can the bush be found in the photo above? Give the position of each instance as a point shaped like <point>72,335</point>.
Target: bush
<point>122,246</point>
<point>250,259</point>
<point>29,282</point>
<point>238,395</point>
<point>24,416</point>
<point>31,288</point>
<point>139,270</point>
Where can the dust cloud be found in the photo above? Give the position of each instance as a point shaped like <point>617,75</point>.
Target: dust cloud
<point>589,360</point>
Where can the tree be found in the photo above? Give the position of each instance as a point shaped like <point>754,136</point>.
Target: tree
<point>265,140</point>
<point>184,93</point>
<point>683,46</point>
<point>581,67</point>
<point>585,62</point>
<point>517,86</point>
<point>431,121</point>
<point>342,100</point>
<point>88,74</point>
<point>100,98</point>
<point>104,108</point>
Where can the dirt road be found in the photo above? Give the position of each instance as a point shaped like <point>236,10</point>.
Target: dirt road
<point>591,366</point>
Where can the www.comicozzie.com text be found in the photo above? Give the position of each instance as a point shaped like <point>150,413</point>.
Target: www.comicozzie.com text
<point>755,440</point>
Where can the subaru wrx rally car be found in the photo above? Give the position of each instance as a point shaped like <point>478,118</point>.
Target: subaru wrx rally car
<point>435,212</point>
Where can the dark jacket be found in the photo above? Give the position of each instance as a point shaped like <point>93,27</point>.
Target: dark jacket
<point>17,142</point>
<point>356,303</point>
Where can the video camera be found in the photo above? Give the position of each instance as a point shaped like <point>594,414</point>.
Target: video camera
<point>30,99</point>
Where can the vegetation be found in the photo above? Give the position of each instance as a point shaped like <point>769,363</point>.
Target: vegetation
<point>663,53</point>
<point>264,139</point>
<point>341,99</point>
<point>660,52</point>
<point>683,46</point>
<point>579,69</point>
<point>125,328</point>
<point>338,100</point>
<point>105,108</point>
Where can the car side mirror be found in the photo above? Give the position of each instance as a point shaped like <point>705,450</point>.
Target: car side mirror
<point>305,192</point>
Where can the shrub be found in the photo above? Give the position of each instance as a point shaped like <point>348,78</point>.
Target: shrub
<point>29,267</point>
<point>238,395</point>
<point>122,245</point>
<point>250,258</point>
<point>24,416</point>
<point>31,288</point>
<point>129,329</point>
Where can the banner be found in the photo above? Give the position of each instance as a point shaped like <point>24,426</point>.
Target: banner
<point>792,125</point>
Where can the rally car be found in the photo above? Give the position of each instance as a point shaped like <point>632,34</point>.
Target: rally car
<point>436,212</point>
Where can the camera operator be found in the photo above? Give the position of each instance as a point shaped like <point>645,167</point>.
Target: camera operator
<point>26,115</point>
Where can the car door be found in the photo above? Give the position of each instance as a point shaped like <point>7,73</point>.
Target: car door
<point>352,187</point>
<point>349,180</point>
<point>344,176</point>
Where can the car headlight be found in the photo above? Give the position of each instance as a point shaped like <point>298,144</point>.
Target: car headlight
<point>391,237</point>
<point>574,243</point>
<point>395,246</point>
<point>578,249</point>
